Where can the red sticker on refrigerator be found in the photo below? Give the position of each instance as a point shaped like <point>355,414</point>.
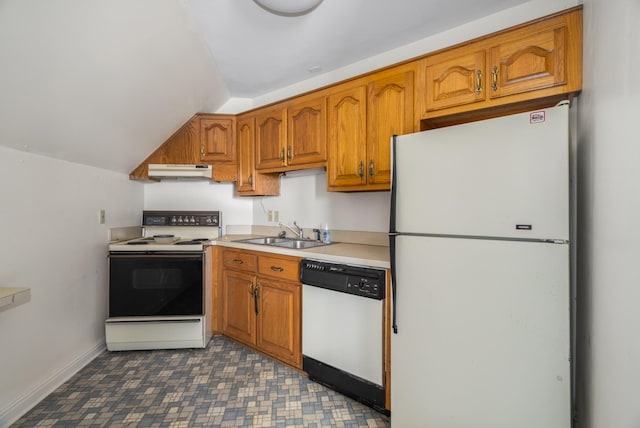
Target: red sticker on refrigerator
<point>536,117</point>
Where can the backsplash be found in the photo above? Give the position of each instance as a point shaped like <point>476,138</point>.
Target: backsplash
<point>303,198</point>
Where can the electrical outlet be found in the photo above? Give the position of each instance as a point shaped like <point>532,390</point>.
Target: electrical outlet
<point>102,216</point>
<point>276,216</point>
<point>270,215</point>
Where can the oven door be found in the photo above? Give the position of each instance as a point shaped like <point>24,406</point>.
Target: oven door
<point>156,284</point>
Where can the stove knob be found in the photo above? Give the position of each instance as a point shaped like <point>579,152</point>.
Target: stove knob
<point>193,220</point>
<point>174,220</point>
<point>180,220</point>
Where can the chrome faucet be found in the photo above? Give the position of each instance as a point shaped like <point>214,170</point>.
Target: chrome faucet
<point>297,230</point>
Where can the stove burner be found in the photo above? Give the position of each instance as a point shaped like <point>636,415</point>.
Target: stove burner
<point>192,242</point>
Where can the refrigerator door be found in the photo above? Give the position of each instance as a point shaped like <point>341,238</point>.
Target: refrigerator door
<point>483,334</point>
<point>503,177</point>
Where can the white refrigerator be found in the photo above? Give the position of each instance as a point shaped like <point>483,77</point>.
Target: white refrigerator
<point>480,249</point>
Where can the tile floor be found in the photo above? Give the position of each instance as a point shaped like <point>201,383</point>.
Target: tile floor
<point>223,385</point>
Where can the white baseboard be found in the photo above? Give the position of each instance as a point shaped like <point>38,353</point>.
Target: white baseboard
<point>23,404</point>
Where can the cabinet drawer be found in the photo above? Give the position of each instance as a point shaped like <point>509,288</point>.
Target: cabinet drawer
<point>240,260</point>
<point>288,269</point>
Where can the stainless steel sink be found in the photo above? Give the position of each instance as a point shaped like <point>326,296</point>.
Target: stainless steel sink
<point>299,243</point>
<point>270,240</point>
<point>284,242</point>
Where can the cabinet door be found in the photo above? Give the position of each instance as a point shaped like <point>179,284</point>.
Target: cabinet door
<point>250,182</point>
<point>389,112</point>
<point>246,155</point>
<point>271,137</point>
<point>535,61</point>
<point>279,320</point>
<point>238,310</point>
<point>347,137</point>
<point>307,122</point>
<point>217,139</point>
<point>455,78</point>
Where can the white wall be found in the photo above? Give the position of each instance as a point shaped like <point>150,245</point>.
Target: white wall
<point>306,200</point>
<point>302,198</point>
<point>609,209</point>
<point>53,243</point>
<point>107,80</point>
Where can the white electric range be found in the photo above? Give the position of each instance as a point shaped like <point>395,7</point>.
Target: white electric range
<point>158,297</point>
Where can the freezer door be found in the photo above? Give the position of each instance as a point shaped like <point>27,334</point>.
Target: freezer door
<point>504,177</point>
<point>483,334</point>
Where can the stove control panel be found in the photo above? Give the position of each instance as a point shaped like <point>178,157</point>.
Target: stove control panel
<point>181,218</point>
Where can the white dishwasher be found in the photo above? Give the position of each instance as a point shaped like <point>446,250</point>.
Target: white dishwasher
<point>342,329</point>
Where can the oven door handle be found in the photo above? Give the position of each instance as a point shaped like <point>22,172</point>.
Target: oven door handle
<point>197,256</point>
<point>149,322</point>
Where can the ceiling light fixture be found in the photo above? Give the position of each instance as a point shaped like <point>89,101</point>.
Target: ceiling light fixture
<point>288,7</point>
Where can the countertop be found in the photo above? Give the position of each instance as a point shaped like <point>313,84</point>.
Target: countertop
<point>337,252</point>
<point>13,296</point>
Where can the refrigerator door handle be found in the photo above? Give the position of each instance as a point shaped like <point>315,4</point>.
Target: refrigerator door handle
<point>394,284</point>
<point>392,214</point>
<point>392,236</point>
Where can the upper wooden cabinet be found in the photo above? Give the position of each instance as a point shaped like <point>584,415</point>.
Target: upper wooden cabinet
<point>251,182</point>
<point>347,137</point>
<point>347,126</point>
<point>291,135</point>
<point>363,117</point>
<point>532,64</point>
<point>271,137</point>
<point>389,112</point>
<point>180,148</point>
<point>204,139</point>
<point>217,138</point>
<point>307,131</point>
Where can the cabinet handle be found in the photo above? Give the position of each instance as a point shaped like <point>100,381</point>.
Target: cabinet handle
<point>250,180</point>
<point>276,268</point>
<point>255,297</point>
<point>361,170</point>
<point>479,82</point>
<point>371,168</point>
<point>238,261</point>
<point>289,152</point>
<point>201,149</point>
<point>251,289</point>
<point>494,78</point>
<point>282,154</point>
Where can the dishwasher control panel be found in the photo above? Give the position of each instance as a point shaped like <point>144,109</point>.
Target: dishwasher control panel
<point>360,281</point>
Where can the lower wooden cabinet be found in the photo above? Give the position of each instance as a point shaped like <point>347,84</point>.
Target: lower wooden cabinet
<point>278,319</point>
<point>238,314</point>
<point>262,303</point>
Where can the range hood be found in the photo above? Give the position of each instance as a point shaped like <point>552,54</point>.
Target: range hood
<point>158,170</point>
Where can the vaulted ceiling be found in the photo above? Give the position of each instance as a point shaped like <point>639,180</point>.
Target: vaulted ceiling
<point>104,82</point>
